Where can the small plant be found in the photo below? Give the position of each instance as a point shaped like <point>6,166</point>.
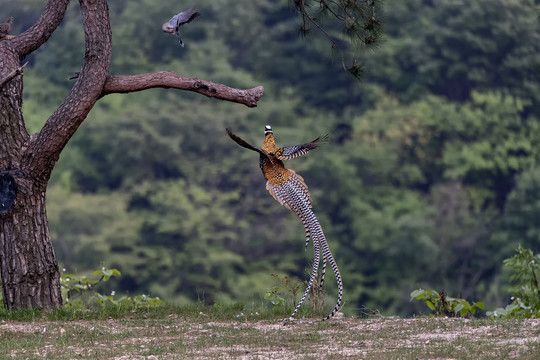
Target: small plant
<point>127,301</point>
<point>515,310</point>
<point>288,289</point>
<point>284,295</point>
<point>274,296</point>
<point>525,273</point>
<point>73,286</point>
<point>444,305</point>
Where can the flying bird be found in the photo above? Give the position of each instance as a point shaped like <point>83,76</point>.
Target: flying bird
<point>178,20</point>
<point>290,190</point>
<point>5,28</point>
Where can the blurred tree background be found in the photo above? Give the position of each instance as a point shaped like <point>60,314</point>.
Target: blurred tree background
<point>431,177</point>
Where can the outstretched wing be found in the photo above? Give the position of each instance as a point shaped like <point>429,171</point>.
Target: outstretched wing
<point>291,152</point>
<point>244,143</point>
<point>179,19</point>
<point>186,16</point>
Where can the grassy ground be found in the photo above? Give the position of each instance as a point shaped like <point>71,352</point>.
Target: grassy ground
<point>200,332</point>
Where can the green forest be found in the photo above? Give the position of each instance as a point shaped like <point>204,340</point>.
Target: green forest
<point>430,179</point>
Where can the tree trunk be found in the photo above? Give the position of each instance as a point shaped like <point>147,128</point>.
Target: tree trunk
<point>31,278</point>
<point>29,270</point>
<point>30,275</point>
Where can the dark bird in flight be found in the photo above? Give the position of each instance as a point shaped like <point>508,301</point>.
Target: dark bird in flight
<point>178,20</point>
<point>5,28</point>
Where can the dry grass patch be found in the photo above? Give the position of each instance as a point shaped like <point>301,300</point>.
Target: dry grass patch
<point>176,337</point>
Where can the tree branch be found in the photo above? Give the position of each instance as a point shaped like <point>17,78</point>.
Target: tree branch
<point>168,79</point>
<point>44,149</point>
<point>40,32</point>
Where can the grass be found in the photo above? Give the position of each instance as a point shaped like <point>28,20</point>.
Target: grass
<point>203,332</point>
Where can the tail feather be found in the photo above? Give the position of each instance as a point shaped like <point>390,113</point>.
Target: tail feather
<point>283,196</point>
<point>294,196</point>
<point>327,255</point>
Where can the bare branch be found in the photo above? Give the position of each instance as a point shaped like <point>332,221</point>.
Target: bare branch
<point>40,32</point>
<point>168,79</point>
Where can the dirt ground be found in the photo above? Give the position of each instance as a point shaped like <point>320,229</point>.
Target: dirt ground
<point>343,338</point>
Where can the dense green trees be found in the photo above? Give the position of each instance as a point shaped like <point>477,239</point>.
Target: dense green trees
<point>430,178</point>
<point>452,48</point>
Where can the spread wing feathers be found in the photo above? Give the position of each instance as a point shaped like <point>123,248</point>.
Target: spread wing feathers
<point>244,143</point>
<point>184,17</point>
<point>291,152</point>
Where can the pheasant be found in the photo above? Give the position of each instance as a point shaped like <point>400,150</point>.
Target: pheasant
<point>290,190</point>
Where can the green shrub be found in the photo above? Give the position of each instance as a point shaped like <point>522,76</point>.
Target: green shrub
<point>443,305</point>
<point>525,272</point>
<point>78,291</point>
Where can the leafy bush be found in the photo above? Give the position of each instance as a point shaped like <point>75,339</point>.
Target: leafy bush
<point>525,272</point>
<point>446,306</point>
<point>80,286</point>
<point>515,310</point>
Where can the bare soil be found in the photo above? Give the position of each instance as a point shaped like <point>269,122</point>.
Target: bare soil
<point>342,338</point>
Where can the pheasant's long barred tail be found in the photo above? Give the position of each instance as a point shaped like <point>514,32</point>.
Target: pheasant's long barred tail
<point>282,197</point>
<point>294,196</point>
<point>327,255</point>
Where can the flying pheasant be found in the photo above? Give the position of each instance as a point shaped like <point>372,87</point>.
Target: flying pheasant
<point>290,190</point>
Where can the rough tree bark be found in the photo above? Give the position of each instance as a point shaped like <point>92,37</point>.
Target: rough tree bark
<point>29,269</point>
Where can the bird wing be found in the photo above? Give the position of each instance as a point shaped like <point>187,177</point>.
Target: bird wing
<point>186,16</point>
<point>291,152</point>
<point>244,143</point>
